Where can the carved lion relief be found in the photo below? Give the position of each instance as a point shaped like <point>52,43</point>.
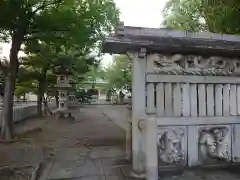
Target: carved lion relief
<point>171,146</point>
<point>213,143</point>
<point>195,65</point>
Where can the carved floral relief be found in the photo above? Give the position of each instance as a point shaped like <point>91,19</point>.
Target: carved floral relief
<point>178,64</point>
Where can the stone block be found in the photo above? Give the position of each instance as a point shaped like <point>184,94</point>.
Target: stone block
<point>209,144</point>
<point>75,169</point>
<point>172,146</point>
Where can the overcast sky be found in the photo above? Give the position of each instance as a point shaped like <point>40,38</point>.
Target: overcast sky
<point>143,13</point>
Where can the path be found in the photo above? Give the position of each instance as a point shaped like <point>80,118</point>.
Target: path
<point>96,153</point>
<point>90,148</point>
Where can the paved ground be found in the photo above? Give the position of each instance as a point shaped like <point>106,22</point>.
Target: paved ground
<point>97,153</point>
<point>117,113</point>
<point>92,147</point>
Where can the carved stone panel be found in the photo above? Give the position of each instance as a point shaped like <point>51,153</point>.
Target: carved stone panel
<point>178,64</point>
<point>172,146</point>
<point>214,144</point>
<point>236,143</point>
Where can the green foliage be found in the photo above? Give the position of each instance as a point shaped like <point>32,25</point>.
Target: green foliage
<point>63,25</point>
<point>67,30</point>
<point>118,74</point>
<point>219,16</point>
<point>36,73</point>
<point>184,15</point>
<point>60,19</point>
<point>95,72</point>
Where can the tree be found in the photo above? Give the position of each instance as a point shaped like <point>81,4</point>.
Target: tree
<point>95,72</point>
<point>2,82</point>
<point>218,16</point>
<point>3,69</point>
<point>71,21</point>
<point>38,68</point>
<point>118,74</point>
<point>37,75</point>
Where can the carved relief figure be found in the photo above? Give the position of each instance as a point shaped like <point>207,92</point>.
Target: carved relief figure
<point>169,63</point>
<point>196,65</point>
<point>170,146</point>
<point>213,143</point>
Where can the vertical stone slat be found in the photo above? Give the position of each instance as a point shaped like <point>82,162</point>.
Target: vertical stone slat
<point>210,100</point>
<point>160,99</point>
<point>238,99</point>
<point>233,100</point>
<point>150,98</point>
<point>236,143</point>
<point>202,100</point>
<point>185,100</point>
<point>177,100</point>
<point>219,100</point>
<point>193,100</point>
<point>168,99</point>
<point>226,99</point>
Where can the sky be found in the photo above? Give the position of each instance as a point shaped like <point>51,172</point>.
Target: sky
<point>142,13</point>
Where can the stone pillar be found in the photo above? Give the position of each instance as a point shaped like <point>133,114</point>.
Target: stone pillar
<point>62,99</point>
<point>129,133</point>
<point>138,112</point>
<point>151,149</point>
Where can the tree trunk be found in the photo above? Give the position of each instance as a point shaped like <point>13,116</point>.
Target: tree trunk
<point>7,112</point>
<point>7,117</point>
<point>24,97</point>
<point>57,99</point>
<point>46,108</point>
<point>41,90</point>
<point>39,105</point>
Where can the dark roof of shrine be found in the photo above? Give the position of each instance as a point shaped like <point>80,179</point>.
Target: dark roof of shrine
<point>127,38</point>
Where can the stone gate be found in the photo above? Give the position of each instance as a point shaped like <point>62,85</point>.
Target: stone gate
<point>185,97</point>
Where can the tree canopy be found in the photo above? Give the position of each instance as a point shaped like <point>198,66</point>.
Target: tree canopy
<point>218,16</point>
<point>78,25</point>
<point>118,74</point>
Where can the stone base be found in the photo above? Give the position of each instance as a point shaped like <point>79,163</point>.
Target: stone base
<point>190,173</point>
<point>130,175</point>
<point>66,115</point>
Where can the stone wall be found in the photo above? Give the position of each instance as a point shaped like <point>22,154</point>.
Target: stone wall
<point>185,97</point>
<point>196,103</point>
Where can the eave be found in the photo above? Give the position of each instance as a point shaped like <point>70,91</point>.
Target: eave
<point>171,41</point>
